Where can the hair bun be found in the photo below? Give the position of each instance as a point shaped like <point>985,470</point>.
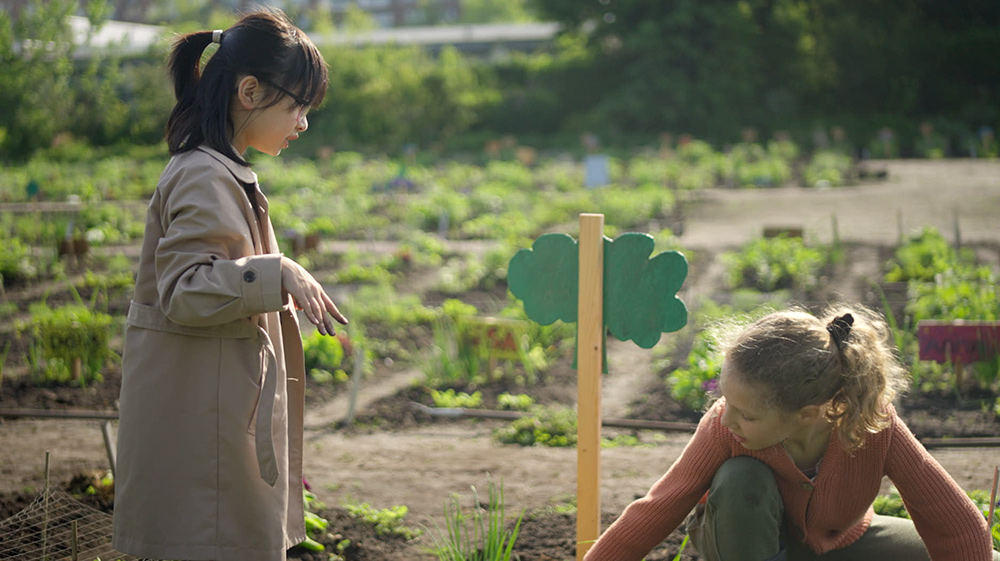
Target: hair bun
<point>840,329</point>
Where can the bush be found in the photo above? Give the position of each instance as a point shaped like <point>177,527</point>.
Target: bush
<point>694,385</point>
<point>923,256</point>
<point>324,358</point>
<point>15,262</point>
<point>770,264</point>
<point>827,167</point>
<point>67,335</point>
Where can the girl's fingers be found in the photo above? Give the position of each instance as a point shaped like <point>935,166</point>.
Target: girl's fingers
<point>332,308</point>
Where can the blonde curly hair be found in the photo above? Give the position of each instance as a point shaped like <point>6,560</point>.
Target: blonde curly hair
<point>845,357</point>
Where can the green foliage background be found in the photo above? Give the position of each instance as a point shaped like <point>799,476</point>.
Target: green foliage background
<point>626,70</point>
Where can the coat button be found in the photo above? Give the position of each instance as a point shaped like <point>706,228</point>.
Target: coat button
<point>249,276</point>
<point>807,486</point>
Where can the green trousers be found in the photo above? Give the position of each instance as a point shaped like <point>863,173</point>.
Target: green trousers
<point>742,521</point>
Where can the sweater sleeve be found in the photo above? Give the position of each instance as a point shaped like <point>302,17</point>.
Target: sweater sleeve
<point>649,520</point>
<point>949,523</point>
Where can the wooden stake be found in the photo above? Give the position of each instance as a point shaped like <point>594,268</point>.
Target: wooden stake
<point>958,230</point>
<point>590,330</point>
<point>45,511</point>
<point>357,376</point>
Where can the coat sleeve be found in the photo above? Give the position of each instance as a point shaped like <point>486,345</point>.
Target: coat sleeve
<point>206,268</point>
<point>649,520</point>
<point>949,523</point>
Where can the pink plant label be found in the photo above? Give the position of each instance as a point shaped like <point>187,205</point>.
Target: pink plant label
<point>958,341</point>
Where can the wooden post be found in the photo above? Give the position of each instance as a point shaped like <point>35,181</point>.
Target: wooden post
<point>357,375</point>
<point>590,329</point>
<point>958,230</point>
<point>836,231</point>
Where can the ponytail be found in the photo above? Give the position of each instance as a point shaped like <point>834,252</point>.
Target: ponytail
<point>185,70</point>
<point>871,376</point>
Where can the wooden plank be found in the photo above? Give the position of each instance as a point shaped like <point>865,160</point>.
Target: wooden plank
<point>590,326</point>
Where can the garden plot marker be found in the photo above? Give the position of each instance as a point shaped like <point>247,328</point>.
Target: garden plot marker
<point>602,285</point>
<point>958,342</point>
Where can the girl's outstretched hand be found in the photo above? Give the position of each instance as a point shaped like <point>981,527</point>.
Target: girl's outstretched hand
<point>309,296</point>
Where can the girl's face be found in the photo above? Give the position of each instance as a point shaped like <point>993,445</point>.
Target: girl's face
<point>752,424</point>
<point>269,129</point>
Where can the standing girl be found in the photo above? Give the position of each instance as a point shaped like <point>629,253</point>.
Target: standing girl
<point>787,463</point>
<point>210,436</point>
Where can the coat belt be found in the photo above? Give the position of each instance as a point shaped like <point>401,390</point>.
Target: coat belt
<point>263,413</point>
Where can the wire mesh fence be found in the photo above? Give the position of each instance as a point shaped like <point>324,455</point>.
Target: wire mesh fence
<point>57,527</point>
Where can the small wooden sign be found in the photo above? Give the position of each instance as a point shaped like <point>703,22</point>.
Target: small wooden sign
<point>958,341</point>
<point>501,337</point>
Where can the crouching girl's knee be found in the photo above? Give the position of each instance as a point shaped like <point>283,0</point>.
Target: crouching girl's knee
<point>744,483</point>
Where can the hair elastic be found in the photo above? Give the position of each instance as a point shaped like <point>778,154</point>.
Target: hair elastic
<point>840,329</point>
<point>217,36</point>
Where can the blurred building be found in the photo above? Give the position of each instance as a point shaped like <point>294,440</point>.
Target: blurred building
<point>492,41</point>
<point>397,13</point>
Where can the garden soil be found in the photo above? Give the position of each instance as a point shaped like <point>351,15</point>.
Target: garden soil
<point>425,463</point>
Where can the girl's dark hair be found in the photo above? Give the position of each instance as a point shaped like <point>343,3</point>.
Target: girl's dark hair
<point>845,357</point>
<point>264,44</point>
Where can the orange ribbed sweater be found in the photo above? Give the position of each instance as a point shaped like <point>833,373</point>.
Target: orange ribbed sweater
<point>827,513</point>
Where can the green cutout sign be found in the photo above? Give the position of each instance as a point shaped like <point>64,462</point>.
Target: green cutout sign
<point>640,294</point>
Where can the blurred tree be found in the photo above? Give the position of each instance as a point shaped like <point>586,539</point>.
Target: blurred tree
<point>385,97</point>
<point>35,68</point>
<point>706,66</point>
<point>713,66</point>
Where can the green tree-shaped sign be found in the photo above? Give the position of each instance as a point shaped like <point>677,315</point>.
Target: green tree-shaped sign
<point>640,294</point>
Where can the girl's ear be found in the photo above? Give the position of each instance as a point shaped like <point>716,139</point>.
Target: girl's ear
<point>811,413</point>
<point>248,92</point>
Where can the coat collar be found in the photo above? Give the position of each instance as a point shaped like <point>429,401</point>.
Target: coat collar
<point>243,173</point>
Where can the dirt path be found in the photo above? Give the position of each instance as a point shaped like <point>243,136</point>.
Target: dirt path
<point>917,193</point>
<point>422,467</point>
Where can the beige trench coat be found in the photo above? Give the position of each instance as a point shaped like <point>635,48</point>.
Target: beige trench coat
<point>210,436</point>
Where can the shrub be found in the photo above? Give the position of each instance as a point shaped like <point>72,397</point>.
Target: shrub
<point>827,167</point>
<point>324,358</point>
<point>66,336</point>
<point>694,385</point>
<point>770,264</point>
<point>923,256</point>
<point>15,262</point>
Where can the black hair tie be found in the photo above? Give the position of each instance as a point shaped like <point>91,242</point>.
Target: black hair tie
<point>840,329</point>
